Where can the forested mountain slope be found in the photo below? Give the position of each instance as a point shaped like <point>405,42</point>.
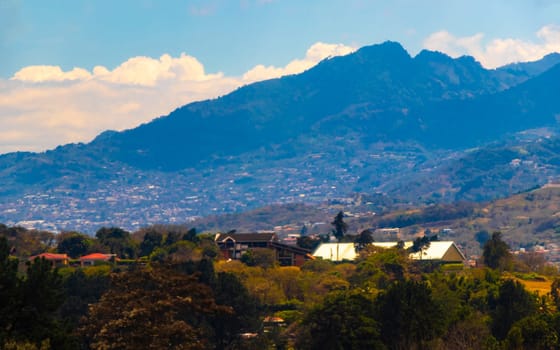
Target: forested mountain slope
<point>377,120</point>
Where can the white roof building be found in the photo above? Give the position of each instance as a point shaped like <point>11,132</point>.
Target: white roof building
<point>438,250</point>
<point>336,251</point>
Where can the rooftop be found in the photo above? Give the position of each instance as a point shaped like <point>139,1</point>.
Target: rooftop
<point>247,237</point>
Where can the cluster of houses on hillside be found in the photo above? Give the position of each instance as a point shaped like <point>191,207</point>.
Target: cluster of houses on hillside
<point>235,245</point>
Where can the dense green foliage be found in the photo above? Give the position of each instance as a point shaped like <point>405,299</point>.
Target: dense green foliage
<point>118,241</point>
<point>512,304</point>
<point>496,252</point>
<point>73,243</point>
<point>181,295</point>
<point>408,315</point>
<point>161,308</point>
<point>344,320</point>
<point>29,303</point>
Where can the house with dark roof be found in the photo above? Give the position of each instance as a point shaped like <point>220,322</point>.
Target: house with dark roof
<point>234,245</point>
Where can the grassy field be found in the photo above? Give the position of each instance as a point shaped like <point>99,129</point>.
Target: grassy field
<point>542,287</point>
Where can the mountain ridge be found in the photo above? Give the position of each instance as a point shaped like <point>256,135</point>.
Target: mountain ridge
<point>384,76</point>
<point>375,120</point>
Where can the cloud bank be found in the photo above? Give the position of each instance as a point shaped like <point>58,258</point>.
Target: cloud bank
<point>497,52</point>
<point>44,106</point>
<point>141,71</point>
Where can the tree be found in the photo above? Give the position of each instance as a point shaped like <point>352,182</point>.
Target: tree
<point>512,304</point>
<point>496,252</point>
<point>244,318</point>
<point>533,333</point>
<point>419,244</point>
<point>340,227</point>
<point>156,308</point>
<point>82,288</point>
<point>555,292</point>
<point>27,242</point>
<point>105,234</point>
<point>423,242</point>
<point>117,240</point>
<point>532,261</point>
<point>308,242</point>
<point>9,284</point>
<point>40,295</point>
<point>380,267</point>
<point>344,320</point>
<point>262,257</point>
<point>28,304</point>
<point>470,333</point>
<point>152,240</point>
<point>184,251</point>
<point>73,243</point>
<point>191,235</point>
<point>171,238</point>
<point>363,239</point>
<point>408,315</point>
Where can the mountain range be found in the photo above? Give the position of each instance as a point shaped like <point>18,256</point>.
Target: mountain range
<point>422,129</point>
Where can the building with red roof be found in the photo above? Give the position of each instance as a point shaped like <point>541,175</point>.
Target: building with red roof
<point>55,259</point>
<point>94,258</point>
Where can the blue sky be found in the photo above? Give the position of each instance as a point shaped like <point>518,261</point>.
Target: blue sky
<point>234,35</point>
<point>70,69</point>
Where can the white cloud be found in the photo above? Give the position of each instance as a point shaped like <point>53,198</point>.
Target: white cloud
<point>44,106</point>
<point>148,71</point>
<point>497,52</point>
<point>314,55</point>
<point>39,74</point>
<point>445,42</point>
<point>144,71</point>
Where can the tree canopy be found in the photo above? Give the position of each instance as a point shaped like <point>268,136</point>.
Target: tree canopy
<point>339,226</point>
<point>496,252</point>
<point>152,308</point>
<point>344,320</point>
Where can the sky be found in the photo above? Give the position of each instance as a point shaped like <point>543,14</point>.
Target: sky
<point>70,69</point>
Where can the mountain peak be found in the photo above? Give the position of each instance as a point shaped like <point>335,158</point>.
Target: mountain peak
<point>387,49</point>
<point>428,55</point>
